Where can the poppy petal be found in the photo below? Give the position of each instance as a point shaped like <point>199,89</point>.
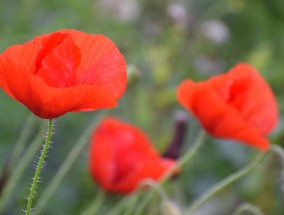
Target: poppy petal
<point>46,101</point>
<point>121,157</point>
<point>146,169</point>
<point>42,74</point>
<point>58,67</point>
<point>242,84</point>
<point>102,159</point>
<point>222,120</point>
<point>231,106</point>
<point>102,68</point>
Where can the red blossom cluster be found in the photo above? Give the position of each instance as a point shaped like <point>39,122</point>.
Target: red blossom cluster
<point>68,71</point>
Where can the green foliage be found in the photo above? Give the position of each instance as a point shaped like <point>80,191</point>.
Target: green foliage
<point>162,46</point>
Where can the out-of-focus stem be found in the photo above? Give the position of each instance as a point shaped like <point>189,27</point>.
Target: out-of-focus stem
<point>184,159</point>
<point>23,137</point>
<point>227,181</point>
<point>19,170</point>
<point>248,207</point>
<point>95,204</point>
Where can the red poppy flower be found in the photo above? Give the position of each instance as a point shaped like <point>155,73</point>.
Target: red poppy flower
<point>237,105</point>
<point>121,157</point>
<point>64,71</point>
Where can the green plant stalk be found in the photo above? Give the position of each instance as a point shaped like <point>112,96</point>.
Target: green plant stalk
<point>131,207</point>
<point>184,159</point>
<point>155,187</point>
<point>278,150</point>
<point>133,199</point>
<point>39,167</point>
<point>65,167</point>
<point>119,207</point>
<point>230,179</point>
<point>248,207</point>
<point>19,170</point>
<point>95,205</point>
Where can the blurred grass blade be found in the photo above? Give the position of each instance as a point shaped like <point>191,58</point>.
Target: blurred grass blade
<point>126,201</point>
<point>19,170</point>
<point>4,177</point>
<point>247,207</point>
<point>23,137</point>
<point>95,204</point>
<point>225,182</point>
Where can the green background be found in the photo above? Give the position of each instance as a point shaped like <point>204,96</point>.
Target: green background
<point>163,43</point>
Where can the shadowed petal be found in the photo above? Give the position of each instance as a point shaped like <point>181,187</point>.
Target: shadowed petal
<point>145,169</point>
<point>121,157</point>
<point>57,68</point>
<point>101,58</point>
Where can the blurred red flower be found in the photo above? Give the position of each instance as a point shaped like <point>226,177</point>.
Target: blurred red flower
<point>64,71</point>
<point>238,105</point>
<point>121,157</point>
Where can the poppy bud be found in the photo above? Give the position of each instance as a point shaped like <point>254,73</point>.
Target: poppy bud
<point>174,148</point>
